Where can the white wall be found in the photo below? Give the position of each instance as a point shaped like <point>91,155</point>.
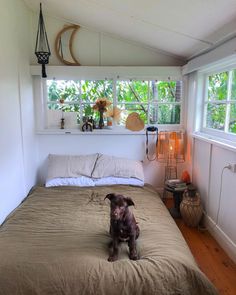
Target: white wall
<point>130,146</point>
<point>208,160</point>
<point>93,48</point>
<point>22,151</point>
<point>114,142</point>
<point>127,146</point>
<point>18,143</point>
<point>218,198</point>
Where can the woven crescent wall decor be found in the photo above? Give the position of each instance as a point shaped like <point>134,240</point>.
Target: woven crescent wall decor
<point>59,47</point>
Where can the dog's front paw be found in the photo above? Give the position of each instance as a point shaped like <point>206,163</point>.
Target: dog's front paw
<point>112,258</point>
<point>134,256</point>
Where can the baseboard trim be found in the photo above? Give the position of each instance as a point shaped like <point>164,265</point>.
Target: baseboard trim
<point>225,242</point>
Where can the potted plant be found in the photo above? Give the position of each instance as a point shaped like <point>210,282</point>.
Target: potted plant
<point>101,106</point>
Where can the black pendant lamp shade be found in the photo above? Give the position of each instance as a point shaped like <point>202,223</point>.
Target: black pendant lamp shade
<point>42,49</point>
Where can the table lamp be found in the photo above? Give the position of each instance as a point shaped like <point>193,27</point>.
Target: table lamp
<point>170,150</point>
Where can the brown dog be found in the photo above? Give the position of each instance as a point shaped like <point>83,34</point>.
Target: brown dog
<point>123,227</point>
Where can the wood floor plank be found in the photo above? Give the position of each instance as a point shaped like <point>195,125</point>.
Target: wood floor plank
<point>211,258</point>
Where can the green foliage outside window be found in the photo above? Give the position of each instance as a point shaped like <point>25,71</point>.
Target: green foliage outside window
<point>61,89</point>
<point>155,101</point>
<point>135,92</point>
<point>92,90</point>
<point>219,107</point>
<point>232,124</point>
<point>216,116</point>
<point>233,87</point>
<point>217,86</point>
<point>167,91</point>
<point>169,114</point>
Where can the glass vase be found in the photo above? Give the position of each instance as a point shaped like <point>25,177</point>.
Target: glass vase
<point>101,121</point>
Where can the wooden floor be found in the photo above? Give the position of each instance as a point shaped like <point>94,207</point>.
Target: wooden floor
<point>211,258</point>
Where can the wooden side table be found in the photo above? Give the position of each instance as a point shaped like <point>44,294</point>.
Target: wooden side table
<point>177,196</point>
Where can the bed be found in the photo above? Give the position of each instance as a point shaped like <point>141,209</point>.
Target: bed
<point>56,242</point>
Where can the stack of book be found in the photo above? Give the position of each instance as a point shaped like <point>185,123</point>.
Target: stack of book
<point>176,184</point>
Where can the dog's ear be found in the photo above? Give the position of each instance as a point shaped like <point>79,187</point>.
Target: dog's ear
<point>129,201</point>
<point>109,196</point>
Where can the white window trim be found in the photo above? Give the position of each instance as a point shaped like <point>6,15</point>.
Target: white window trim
<point>96,73</point>
<point>216,135</point>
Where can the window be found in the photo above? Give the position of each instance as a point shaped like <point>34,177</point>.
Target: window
<point>77,96</point>
<point>220,102</point>
<point>157,102</point>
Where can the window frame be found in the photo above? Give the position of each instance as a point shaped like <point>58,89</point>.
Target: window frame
<point>225,135</point>
<point>168,73</point>
<point>115,101</point>
<point>149,102</point>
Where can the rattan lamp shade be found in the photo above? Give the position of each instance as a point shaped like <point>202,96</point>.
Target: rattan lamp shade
<point>170,144</point>
<point>170,150</point>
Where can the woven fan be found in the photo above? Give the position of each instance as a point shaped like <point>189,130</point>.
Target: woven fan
<point>134,122</point>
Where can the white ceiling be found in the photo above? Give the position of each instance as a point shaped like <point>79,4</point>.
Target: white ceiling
<point>182,28</point>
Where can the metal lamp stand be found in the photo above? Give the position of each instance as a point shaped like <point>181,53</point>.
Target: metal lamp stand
<point>170,170</point>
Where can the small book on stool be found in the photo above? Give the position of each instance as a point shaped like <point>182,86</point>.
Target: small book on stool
<point>176,184</point>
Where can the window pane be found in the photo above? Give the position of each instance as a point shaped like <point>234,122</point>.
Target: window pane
<point>129,108</point>
<point>70,112</point>
<point>71,108</point>
<point>166,91</point>
<point>133,95</point>
<point>215,117</point>
<point>64,107</point>
<point>169,114</point>
<point>233,87</point>
<point>153,114</point>
<point>54,106</point>
<point>217,86</point>
<point>89,112</point>
<point>232,121</point>
<point>62,89</point>
<point>92,90</point>
<point>132,91</point>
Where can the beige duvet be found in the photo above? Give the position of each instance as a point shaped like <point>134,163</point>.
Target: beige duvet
<point>56,242</point>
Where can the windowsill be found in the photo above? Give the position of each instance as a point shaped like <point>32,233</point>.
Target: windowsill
<point>115,131</point>
<point>218,141</point>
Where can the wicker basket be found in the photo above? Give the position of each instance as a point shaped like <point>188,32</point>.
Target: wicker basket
<point>191,208</point>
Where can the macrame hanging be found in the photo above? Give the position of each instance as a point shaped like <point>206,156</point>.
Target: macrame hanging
<point>42,50</point>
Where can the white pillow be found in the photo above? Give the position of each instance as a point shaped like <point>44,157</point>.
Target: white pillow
<point>70,181</point>
<point>118,167</point>
<point>118,180</point>
<point>70,165</point>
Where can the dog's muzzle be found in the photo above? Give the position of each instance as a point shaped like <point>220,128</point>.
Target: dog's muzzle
<point>116,215</point>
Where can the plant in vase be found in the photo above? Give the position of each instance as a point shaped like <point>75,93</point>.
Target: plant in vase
<point>61,101</point>
<point>101,106</point>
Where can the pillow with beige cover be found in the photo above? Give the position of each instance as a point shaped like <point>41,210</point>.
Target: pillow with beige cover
<point>118,167</point>
<point>70,165</point>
